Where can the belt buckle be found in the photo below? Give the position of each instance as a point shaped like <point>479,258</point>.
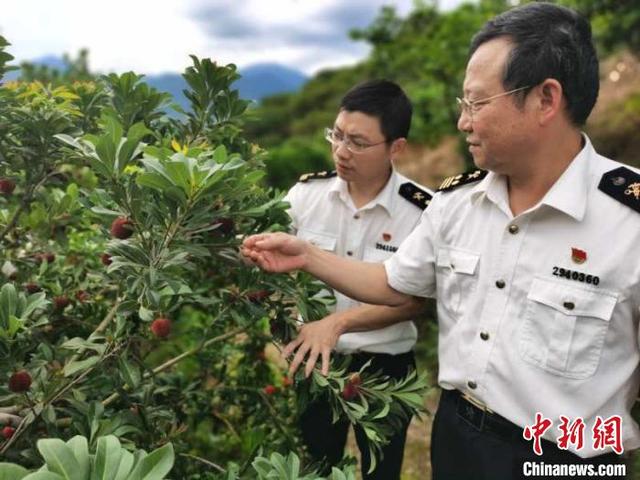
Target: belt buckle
<point>473,416</point>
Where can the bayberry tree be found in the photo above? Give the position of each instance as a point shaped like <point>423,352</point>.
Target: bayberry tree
<point>126,313</point>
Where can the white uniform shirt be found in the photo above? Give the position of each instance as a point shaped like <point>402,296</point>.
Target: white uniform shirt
<point>550,340</point>
<point>323,213</point>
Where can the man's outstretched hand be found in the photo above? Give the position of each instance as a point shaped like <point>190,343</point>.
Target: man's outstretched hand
<point>276,252</point>
<point>314,339</point>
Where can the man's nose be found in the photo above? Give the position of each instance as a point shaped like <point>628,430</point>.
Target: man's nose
<point>342,150</point>
<point>465,123</point>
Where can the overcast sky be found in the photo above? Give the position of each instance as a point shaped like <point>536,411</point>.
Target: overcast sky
<point>155,36</point>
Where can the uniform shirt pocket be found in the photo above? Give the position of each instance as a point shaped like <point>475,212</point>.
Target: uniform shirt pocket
<point>457,278</point>
<point>321,240</point>
<point>565,326</point>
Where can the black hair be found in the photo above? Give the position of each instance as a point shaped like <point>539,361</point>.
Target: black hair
<point>549,41</point>
<point>386,101</point>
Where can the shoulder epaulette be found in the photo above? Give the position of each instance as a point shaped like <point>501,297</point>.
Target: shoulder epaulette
<point>462,179</point>
<point>416,195</point>
<point>317,175</point>
<point>623,184</point>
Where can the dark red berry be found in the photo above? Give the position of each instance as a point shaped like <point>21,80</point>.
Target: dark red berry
<point>20,381</point>
<point>161,327</point>
<point>121,228</point>
<point>7,186</point>
<point>32,287</point>
<point>60,302</point>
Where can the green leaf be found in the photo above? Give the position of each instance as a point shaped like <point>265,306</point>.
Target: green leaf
<point>126,464</point>
<point>14,325</point>
<point>130,373</point>
<point>80,365</point>
<point>59,458</point>
<point>107,459</point>
<point>34,302</point>
<point>11,471</point>
<point>43,476</point>
<point>8,301</point>
<point>155,465</point>
<point>80,448</point>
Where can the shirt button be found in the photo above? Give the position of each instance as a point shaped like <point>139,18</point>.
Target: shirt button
<point>513,229</point>
<point>472,385</point>
<point>500,284</point>
<point>349,253</point>
<point>569,305</point>
<point>484,336</point>
<point>356,216</point>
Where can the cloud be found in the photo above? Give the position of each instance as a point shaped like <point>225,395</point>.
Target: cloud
<point>148,36</point>
<point>309,36</point>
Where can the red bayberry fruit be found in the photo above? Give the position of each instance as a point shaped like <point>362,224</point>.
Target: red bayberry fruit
<point>105,258</point>
<point>20,381</point>
<point>161,327</point>
<point>7,432</point>
<point>224,226</point>
<point>60,303</point>
<point>269,390</point>
<point>355,379</point>
<point>257,296</point>
<point>350,390</point>
<point>48,257</point>
<point>7,186</point>
<point>32,287</point>
<point>121,228</point>
<point>82,295</point>
<point>277,328</point>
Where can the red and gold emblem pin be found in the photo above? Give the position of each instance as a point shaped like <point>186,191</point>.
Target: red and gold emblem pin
<point>578,256</point>
<point>386,237</point>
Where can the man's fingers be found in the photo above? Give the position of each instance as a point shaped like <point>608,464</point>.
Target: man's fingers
<point>290,347</point>
<point>326,358</point>
<point>297,360</point>
<point>250,241</point>
<point>311,363</point>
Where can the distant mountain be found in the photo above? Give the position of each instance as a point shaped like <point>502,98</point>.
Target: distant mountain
<point>257,81</point>
<point>265,79</point>
<point>50,61</point>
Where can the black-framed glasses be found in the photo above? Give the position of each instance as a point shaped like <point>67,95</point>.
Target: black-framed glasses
<point>473,106</point>
<point>336,138</point>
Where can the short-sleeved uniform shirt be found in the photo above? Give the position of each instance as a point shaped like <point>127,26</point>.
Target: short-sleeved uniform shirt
<point>539,312</point>
<point>323,213</point>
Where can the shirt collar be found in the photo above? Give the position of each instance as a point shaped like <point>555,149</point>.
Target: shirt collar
<point>568,194</point>
<point>385,198</point>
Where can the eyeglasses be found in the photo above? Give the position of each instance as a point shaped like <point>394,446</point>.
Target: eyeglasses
<point>336,138</point>
<point>473,106</point>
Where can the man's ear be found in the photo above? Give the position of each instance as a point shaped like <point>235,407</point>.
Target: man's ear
<point>551,100</point>
<point>398,146</point>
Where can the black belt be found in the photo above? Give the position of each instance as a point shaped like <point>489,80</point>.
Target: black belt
<point>480,417</point>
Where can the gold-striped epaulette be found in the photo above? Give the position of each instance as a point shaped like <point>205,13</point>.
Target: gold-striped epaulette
<point>455,181</point>
<point>317,175</point>
<point>622,184</point>
<point>416,195</point>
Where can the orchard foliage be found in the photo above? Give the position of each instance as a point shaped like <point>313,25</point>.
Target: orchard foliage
<point>426,53</point>
<point>127,319</point>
